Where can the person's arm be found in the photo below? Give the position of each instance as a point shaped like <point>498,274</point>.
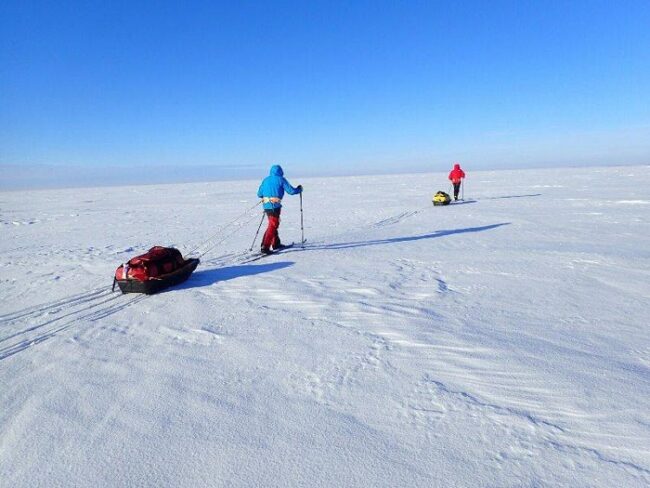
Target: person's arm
<point>259,192</point>
<point>290,189</point>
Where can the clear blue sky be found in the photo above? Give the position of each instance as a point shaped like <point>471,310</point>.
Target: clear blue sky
<point>324,86</point>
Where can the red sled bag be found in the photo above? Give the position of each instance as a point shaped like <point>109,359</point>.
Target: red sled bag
<point>149,273</point>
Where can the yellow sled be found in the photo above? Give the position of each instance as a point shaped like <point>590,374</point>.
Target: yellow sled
<point>441,198</point>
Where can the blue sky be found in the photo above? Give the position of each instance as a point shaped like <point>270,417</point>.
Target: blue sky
<point>324,87</point>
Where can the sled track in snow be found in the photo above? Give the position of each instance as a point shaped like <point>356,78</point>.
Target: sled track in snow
<point>65,312</point>
<point>90,306</point>
<point>396,218</point>
<point>54,306</point>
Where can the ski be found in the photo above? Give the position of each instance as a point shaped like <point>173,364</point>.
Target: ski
<point>260,255</point>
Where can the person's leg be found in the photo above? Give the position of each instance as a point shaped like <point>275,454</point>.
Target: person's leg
<point>276,235</point>
<point>456,190</point>
<point>271,230</point>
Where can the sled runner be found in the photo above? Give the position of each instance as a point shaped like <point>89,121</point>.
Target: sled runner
<point>160,268</point>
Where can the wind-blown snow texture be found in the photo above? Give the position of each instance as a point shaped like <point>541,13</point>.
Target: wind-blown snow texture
<point>502,341</point>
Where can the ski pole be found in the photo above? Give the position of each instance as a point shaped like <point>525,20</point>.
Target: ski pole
<point>462,189</point>
<point>302,226</point>
<point>258,231</point>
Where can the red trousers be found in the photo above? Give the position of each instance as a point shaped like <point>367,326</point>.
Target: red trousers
<point>271,238</point>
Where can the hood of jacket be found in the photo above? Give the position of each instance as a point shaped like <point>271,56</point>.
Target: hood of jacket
<point>456,166</point>
<point>276,170</point>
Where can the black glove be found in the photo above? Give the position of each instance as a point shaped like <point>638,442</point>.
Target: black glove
<point>299,188</point>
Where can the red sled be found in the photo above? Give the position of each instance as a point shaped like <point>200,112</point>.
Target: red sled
<point>160,268</point>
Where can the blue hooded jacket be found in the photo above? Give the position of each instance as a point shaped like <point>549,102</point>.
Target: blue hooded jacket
<point>274,186</point>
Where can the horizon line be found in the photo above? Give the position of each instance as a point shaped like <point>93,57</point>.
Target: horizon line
<point>197,179</point>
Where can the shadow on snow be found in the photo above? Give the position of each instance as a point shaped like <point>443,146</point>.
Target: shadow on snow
<point>512,196</point>
<point>461,202</point>
<point>395,240</point>
<point>209,276</point>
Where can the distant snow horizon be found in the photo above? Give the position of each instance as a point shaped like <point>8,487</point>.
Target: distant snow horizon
<point>16,177</point>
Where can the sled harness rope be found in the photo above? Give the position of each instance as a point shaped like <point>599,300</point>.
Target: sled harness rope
<point>222,230</point>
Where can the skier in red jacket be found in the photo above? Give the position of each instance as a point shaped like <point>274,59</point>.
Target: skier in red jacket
<point>456,176</point>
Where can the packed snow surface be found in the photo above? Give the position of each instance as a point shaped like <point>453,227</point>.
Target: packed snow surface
<point>499,341</point>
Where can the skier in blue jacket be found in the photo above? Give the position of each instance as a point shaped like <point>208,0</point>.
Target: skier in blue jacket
<point>271,192</point>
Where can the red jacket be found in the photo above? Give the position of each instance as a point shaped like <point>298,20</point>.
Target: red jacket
<point>456,174</point>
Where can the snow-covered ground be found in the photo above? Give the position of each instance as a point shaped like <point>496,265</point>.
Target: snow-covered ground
<point>503,341</point>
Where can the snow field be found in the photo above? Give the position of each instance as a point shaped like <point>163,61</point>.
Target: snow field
<point>501,341</point>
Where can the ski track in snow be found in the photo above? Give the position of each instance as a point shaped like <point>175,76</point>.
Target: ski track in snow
<point>501,343</point>
<point>92,307</point>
